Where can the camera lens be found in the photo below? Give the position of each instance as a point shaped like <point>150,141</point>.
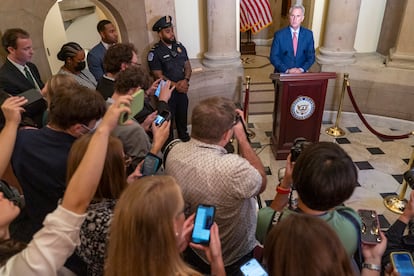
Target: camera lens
<point>409,177</point>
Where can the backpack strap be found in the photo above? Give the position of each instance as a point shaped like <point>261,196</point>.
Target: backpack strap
<point>358,254</point>
<point>168,149</point>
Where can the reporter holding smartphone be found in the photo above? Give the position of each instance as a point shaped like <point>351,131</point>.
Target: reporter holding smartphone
<point>149,231</point>
<point>209,175</point>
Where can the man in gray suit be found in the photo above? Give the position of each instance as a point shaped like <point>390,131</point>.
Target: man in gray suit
<point>109,36</point>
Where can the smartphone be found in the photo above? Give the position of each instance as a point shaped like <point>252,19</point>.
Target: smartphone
<point>160,85</point>
<point>151,164</point>
<point>253,268</point>
<point>370,231</point>
<point>204,218</point>
<point>403,263</point>
<point>32,96</point>
<point>136,106</point>
<point>161,118</point>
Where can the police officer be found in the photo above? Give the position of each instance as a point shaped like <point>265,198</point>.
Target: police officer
<point>168,60</point>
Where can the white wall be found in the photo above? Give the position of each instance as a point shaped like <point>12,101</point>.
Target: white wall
<point>318,21</point>
<point>189,25</point>
<point>369,25</point>
<point>54,37</point>
<point>83,31</point>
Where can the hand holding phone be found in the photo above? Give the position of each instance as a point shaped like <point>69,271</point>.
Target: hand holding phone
<point>403,263</point>
<point>137,104</point>
<point>158,91</point>
<point>161,118</point>
<point>204,219</point>
<point>151,164</point>
<point>370,231</point>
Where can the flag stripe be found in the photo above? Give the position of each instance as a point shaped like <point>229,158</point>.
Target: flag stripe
<point>255,15</point>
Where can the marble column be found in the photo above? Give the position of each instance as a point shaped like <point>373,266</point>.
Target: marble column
<point>402,55</point>
<point>339,38</point>
<point>393,14</point>
<point>222,30</point>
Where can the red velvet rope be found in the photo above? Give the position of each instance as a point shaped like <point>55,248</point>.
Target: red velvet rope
<point>390,137</point>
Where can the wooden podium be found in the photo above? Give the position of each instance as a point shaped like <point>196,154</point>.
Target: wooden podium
<point>298,109</point>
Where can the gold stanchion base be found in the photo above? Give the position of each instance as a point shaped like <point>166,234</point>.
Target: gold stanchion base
<point>395,204</point>
<point>335,131</point>
<point>250,133</point>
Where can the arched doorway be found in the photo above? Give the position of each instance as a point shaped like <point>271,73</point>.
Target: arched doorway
<point>69,20</point>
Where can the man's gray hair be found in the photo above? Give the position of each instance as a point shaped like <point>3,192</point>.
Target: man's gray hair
<point>297,6</point>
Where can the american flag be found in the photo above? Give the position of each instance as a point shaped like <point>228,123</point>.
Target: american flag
<point>255,15</point>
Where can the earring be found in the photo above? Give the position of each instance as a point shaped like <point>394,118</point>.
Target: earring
<point>176,234</point>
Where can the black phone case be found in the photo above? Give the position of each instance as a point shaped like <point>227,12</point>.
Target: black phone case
<point>370,231</point>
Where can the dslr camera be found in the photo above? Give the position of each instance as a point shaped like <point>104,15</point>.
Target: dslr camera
<point>12,194</point>
<point>299,144</point>
<point>409,177</point>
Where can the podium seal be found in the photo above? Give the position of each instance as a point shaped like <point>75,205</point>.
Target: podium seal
<point>302,108</point>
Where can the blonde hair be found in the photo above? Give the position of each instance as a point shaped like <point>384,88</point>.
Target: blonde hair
<point>56,82</point>
<point>143,239</point>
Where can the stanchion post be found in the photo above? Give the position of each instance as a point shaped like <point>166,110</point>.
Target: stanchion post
<point>250,133</point>
<point>335,130</point>
<point>397,203</point>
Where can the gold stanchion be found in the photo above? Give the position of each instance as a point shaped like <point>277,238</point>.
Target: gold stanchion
<point>335,130</point>
<point>250,133</point>
<point>397,203</point>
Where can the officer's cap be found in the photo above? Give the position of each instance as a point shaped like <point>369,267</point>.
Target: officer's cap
<point>162,23</point>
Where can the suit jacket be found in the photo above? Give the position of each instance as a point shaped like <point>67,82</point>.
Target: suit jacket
<point>95,60</point>
<point>15,82</point>
<point>281,53</point>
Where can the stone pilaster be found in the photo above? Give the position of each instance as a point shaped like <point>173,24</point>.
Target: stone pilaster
<point>402,55</point>
<point>222,30</point>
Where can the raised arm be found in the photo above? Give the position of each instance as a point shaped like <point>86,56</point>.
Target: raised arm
<point>12,109</point>
<point>82,186</point>
<point>247,152</point>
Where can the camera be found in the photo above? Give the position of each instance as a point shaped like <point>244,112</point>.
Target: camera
<point>12,194</point>
<point>409,177</point>
<point>299,144</point>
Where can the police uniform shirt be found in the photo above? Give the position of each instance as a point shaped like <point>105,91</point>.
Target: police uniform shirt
<point>169,61</point>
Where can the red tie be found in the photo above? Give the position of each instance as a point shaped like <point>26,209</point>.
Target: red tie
<point>295,43</point>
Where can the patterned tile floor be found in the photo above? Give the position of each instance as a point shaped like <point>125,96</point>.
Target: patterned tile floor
<point>381,163</point>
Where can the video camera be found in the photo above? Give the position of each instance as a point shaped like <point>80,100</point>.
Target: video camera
<point>299,144</point>
<point>12,194</point>
<point>409,177</point>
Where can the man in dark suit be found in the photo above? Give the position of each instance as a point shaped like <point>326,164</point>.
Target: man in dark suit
<point>109,36</point>
<point>293,50</point>
<point>18,74</point>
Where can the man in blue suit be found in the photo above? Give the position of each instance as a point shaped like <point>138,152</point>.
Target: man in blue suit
<point>283,55</point>
<point>109,36</point>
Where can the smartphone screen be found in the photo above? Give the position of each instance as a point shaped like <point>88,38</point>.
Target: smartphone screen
<point>160,85</point>
<point>151,165</point>
<point>203,220</point>
<point>161,118</point>
<point>253,268</point>
<point>403,263</point>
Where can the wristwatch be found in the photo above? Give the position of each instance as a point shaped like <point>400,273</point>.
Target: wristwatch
<point>371,266</point>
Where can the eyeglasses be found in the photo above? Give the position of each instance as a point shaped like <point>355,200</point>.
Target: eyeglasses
<point>127,160</point>
<point>92,129</point>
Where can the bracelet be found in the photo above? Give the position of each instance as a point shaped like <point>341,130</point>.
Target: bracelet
<point>282,191</point>
<point>371,266</point>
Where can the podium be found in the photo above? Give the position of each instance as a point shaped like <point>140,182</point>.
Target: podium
<point>298,109</point>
